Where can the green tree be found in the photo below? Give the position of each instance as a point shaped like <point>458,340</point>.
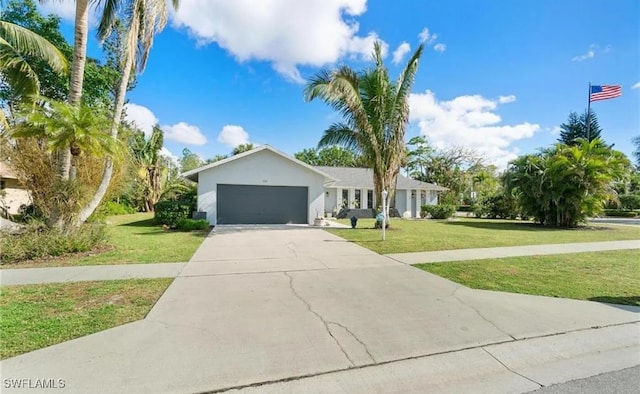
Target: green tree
<point>149,165</point>
<point>375,114</point>
<point>576,127</point>
<point>563,185</point>
<point>242,148</point>
<point>100,79</point>
<point>64,126</point>
<point>457,168</point>
<point>636,152</point>
<point>190,160</point>
<point>142,20</point>
<point>332,156</point>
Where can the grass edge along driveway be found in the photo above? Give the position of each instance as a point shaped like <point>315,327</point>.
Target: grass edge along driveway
<point>37,316</point>
<point>432,235</point>
<point>609,276</point>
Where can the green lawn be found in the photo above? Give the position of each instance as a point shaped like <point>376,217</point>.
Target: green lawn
<point>611,276</point>
<point>132,239</point>
<point>36,316</point>
<point>428,235</point>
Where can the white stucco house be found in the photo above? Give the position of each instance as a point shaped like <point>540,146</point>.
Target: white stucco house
<point>12,194</point>
<point>266,186</point>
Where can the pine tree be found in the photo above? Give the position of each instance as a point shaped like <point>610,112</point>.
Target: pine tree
<point>576,127</point>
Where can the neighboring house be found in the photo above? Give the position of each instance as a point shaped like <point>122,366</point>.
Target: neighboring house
<point>266,186</point>
<point>12,194</point>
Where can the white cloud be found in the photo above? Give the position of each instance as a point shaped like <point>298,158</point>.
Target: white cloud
<point>440,47</point>
<point>167,153</point>
<point>556,130</point>
<point>184,133</point>
<point>427,37</point>
<point>144,119</point>
<point>286,33</point>
<point>400,52</point>
<point>590,54</point>
<point>506,99</point>
<point>470,121</point>
<point>636,86</point>
<point>141,117</point>
<point>66,9</point>
<point>233,136</point>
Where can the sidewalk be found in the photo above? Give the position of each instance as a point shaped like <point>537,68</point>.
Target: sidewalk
<point>510,251</point>
<point>29,276</point>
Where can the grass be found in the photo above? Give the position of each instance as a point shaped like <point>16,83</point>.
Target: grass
<point>36,316</point>
<point>611,276</point>
<point>132,239</point>
<point>428,235</point>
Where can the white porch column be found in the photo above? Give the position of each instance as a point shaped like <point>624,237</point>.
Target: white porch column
<point>364,196</point>
<point>352,198</point>
<point>407,206</point>
<point>338,199</point>
<point>418,200</point>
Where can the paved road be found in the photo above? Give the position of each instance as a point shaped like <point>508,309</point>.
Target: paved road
<point>632,222</point>
<point>300,310</point>
<point>626,381</point>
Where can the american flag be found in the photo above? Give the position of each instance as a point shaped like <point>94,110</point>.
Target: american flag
<point>604,92</point>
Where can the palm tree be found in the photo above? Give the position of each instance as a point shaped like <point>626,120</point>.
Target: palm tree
<point>144,19</point>
<point>375,114</point>
<point>16,42</point>
<point>64,126</point>
<point>147,159</point>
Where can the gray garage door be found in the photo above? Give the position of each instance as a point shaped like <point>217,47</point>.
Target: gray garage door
<point>248,204</point>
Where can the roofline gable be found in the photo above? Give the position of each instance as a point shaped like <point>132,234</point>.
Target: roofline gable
<point>193,174</point>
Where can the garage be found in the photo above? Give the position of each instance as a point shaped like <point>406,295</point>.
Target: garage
<point>256,204</point>
<point>260,186</point>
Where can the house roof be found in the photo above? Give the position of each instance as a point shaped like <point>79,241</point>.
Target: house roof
<point>363,178</point>
<point>6,172</point>
<point>193,174</point>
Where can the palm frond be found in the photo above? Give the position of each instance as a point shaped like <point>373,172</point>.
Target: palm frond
<point>29,43</point>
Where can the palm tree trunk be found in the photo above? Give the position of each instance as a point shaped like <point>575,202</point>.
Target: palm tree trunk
<point>107,173</point>
<point>81,33</point>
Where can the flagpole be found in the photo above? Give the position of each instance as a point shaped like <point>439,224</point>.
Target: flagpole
<point>588,112</point>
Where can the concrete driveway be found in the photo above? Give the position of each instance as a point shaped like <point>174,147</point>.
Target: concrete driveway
<point>290,309</point>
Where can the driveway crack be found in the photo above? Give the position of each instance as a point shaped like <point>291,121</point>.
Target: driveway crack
<point>455,295</point>
<point>366,349</point>
<point>324,322</point>
<point>509,369</point>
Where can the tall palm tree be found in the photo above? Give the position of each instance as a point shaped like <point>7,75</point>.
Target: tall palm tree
<point>16,42</point>
<point>143,19</point>
<point>375,114</point>
<point>64,126</point>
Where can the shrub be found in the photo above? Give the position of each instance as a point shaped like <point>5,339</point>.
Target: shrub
<point>36,243</point>
<point>170,212</point>
<point>497,206</point>
<point>192,224</point>
<point>111,208</point>
<point>630,201</point>
<point>620,213</point>
<point>443,211</point>
<point>465,208</point>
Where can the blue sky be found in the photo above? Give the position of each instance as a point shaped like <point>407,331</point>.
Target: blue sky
<point>496,76</point>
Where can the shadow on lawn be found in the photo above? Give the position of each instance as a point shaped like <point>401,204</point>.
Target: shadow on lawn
<point>140,223</point>
<point>518,226</point>
<point>620,302</point>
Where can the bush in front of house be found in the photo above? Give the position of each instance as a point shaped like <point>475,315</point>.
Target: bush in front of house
<point>629,201</point>
<point>620,213</point>
<point>170,212</point>
<point>442,211</point>
<point>192,224</point>
<point>37,242</point>
<point>112,208</point>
